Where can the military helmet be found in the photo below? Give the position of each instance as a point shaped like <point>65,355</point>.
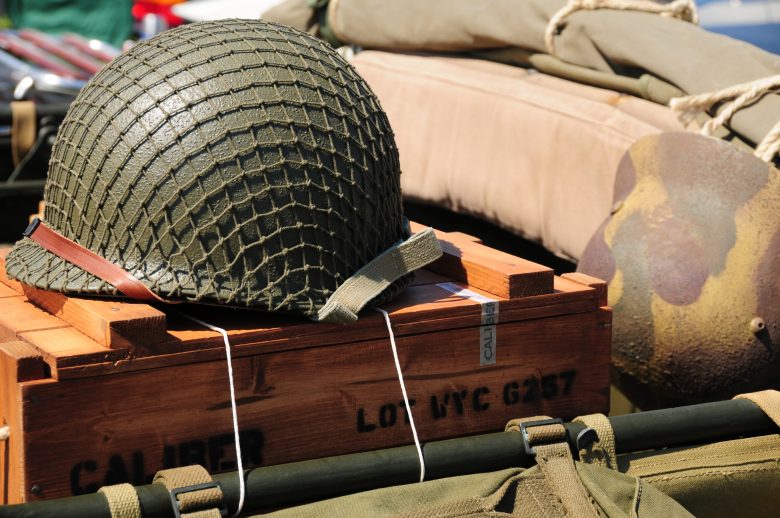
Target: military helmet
<point>235,162</point>
<point>692,254</point>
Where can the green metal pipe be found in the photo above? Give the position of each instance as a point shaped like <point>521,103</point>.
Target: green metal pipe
<point>686,425</point>
<point>285,484</point>
<point>22,188</point>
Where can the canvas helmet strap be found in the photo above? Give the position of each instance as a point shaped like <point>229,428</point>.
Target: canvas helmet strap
<point>90,262</point>
<point>372,279</point>
<point>342,307</point>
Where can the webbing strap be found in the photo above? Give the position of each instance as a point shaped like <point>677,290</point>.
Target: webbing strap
<point>22,129</point>
<point>122,501</point>
<point>367,283</point>
<point>557,465</point>
<point>602,451</point>
<point>200,503</point>
<point>767,400</point>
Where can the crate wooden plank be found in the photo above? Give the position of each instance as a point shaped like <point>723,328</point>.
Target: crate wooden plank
<point>338,399</point>
<point>463,236</point>
<point>65,346</point>
<point>19,316</point>
<point>19,362</point>
<point>5,291</point>
<point>490,270</point>
<point>29,364</point>
<point>423,309</point>
<point>114,324</point>
<point>590,281</point>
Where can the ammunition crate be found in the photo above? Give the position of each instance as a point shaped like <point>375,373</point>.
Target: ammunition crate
<point>99,391</point>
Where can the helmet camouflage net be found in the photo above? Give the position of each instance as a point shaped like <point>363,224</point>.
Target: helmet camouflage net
<point>235,162</point>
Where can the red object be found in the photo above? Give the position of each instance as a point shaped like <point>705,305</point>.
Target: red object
<point>80,43</point>
<point>143,7</point>
<point>25,50</point>
<point>46,43</point>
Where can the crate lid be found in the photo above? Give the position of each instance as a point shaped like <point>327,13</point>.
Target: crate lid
<point>470,286</point>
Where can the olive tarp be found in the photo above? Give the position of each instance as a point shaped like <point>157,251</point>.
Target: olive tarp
<point>610,41</point>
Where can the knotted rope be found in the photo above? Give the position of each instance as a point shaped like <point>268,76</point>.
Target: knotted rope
<point>742,95</point>
<point>681,9</point>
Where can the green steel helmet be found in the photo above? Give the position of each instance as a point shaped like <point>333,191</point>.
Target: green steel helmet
<point>236,162</point>
<point>692,255</point>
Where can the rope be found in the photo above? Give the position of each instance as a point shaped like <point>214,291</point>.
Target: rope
<point>769,147</point>
<point>239,461</point>
<point>5,432</point>
<point>403,391</point>
<point>681,9</point>
<point>741,95</point>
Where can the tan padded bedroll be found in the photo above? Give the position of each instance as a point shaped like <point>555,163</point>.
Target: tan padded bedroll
<point>533,153</point>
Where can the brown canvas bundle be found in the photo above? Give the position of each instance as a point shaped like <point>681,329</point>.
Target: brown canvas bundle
<point>607,40</point>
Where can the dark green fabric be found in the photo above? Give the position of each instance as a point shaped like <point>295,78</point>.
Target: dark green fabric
<point>107,20</point>
<point>236,162</point>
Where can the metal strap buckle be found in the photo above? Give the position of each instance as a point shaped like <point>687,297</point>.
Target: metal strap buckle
<point>191,489</point>
<point>32,227</point>
<point>530,424</point>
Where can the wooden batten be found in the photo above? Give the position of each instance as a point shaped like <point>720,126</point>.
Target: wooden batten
<point>482,267</point>
<point>592,282</point>
<point>113,324</point>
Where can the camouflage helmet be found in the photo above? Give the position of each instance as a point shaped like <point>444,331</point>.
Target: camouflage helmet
<point>235,162</point>
<point>692,255</point>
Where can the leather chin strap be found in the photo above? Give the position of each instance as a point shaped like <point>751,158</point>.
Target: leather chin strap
<point>89,261</point>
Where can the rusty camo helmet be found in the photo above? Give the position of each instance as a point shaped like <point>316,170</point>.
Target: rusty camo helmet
<point>692,256</point>
<point>235,162</point>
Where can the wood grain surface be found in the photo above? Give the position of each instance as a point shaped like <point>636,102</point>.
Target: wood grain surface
<point>102,391</point>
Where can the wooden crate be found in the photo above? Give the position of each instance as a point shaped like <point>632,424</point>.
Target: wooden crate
<point>98,392</point>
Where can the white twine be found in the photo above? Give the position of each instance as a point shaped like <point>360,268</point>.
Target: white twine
<point>403,391</point>
<point>741,95</point>
<point>682,9</point>
<point>5,432</point>
<point>239,461</point>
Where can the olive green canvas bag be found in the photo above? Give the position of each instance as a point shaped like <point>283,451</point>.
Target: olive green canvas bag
<point>556,486</point>
<point>739,477</point>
